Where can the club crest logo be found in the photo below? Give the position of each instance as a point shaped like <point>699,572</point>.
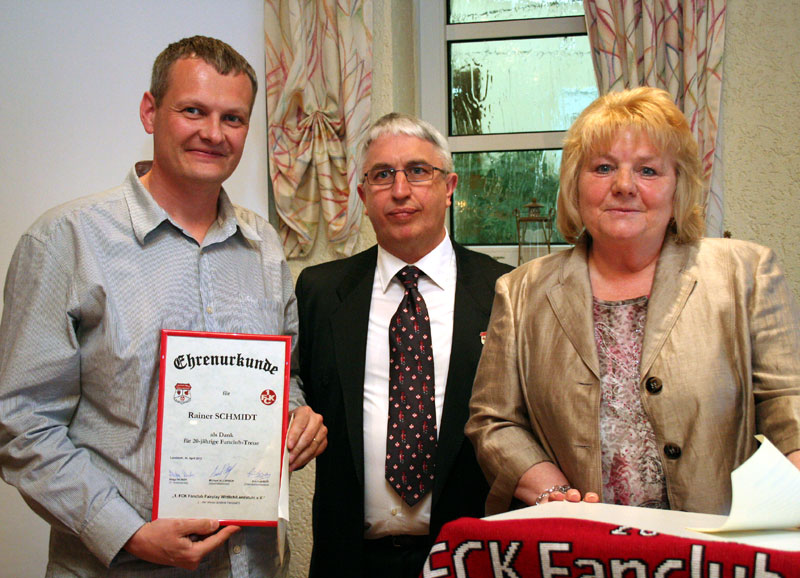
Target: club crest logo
<point>183,393</point>
<point>268,397</point>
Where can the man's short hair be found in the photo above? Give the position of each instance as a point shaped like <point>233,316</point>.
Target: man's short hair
<point>216,53</point>
<point>395,124</point>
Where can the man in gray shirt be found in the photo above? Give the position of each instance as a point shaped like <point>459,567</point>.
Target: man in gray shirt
<point>89,288</point>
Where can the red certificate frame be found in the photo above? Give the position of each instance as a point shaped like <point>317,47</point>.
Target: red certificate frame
<point>222,420</point>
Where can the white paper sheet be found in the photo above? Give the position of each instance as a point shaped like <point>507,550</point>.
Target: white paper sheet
<point>283,498</point>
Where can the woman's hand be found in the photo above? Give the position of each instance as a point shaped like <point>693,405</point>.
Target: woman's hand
<point>536,484</point>
<point>573,495</point>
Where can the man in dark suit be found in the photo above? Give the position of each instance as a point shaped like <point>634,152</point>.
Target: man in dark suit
<point>376,509</point>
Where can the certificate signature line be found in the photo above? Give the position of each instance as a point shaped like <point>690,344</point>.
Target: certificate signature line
<point>222,471</point>
<point>255,474</point>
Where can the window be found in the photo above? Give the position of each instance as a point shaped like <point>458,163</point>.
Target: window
<point>503,79</point>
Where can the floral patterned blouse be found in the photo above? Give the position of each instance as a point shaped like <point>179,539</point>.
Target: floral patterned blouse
<point>632,471</point>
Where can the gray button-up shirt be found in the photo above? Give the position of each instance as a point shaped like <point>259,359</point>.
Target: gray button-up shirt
<point>89,288</point>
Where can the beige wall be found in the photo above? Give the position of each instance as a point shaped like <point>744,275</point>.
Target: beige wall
<point>761,126</point>
<point>761,99</point>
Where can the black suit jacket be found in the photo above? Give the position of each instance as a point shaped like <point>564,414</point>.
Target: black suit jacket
<point>333,303</point>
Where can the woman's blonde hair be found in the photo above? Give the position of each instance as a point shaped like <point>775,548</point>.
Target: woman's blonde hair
<point>652,112</point>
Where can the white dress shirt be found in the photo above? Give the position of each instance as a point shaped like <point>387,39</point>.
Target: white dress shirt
<point>384,512</point>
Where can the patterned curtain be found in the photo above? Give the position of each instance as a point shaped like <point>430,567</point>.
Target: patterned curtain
<point>671,44</point>
<point>319,80</point>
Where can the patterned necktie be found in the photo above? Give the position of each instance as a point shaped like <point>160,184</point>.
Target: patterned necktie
<point>411,439</point>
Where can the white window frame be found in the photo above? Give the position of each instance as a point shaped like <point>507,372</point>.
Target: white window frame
<point>432,89</point>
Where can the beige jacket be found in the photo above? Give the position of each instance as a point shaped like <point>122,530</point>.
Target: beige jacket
<point>719,364</point>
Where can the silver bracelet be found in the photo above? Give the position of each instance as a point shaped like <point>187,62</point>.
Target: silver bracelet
<point>546,494</point>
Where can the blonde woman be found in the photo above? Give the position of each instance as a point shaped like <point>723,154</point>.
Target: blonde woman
<point>636,367</point>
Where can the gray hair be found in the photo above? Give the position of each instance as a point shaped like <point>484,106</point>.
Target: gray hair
<point>395,124</point>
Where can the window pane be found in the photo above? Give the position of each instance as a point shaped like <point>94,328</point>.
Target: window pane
<point>462,11</point>
<point>520,85</point>
<point>492,184</point>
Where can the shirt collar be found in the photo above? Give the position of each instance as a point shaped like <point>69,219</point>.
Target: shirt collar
<point>147,214</point>
<point>227,221</point>
<point>436,265</point>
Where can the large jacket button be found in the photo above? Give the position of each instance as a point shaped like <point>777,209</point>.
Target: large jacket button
<point>672,451</point>
<point>653,385</point>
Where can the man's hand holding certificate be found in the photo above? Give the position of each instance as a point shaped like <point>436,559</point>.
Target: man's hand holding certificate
<point>222,424</point>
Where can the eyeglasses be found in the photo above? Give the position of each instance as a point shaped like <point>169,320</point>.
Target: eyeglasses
<point>384,176</point>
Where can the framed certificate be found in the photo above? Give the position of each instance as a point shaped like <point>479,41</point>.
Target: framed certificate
<point>222,418</point>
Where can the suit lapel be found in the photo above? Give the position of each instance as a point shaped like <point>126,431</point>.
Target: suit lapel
<point>571,300</point>
<point>671,290</point>
<point>349,326</point>
<point>470,317</point>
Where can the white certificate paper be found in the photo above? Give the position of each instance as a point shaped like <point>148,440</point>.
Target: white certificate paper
<point>222,417</point>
